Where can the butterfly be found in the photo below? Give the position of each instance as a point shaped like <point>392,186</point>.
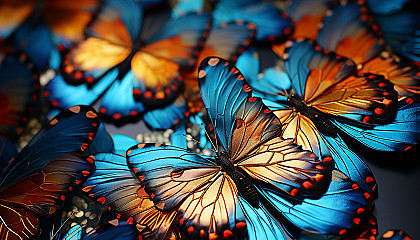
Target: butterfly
<point>37,181</point>
<point>322,95</point>
<point>350,31</point>
<point>36,27</point>
<point>148,49</point>
<point>19,86</point>
<point>211,193</point>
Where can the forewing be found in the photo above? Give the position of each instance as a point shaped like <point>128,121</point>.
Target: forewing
<point>170,174</point>
<point>241,121</point>
<point>312,70</point>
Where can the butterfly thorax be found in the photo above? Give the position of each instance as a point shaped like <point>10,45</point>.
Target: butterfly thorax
<point>244,185</point>
<point>125,65</point>
<point>322,123</point>
<point>223,159</point>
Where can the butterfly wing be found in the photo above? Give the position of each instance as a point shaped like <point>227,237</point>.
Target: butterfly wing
<point>349,32</point>
<point>12,14</point>
<point>307,16</point>
<point>18,91</point>
<point>324,82</point>
<point>260,222</point>
<point>251,131</point>
<point>123,231</point>
<point>206,198</point>
<point>74,233</point>
<point>70,20</point>
<point>115,185</point>
<point>157,65</point>
<point>404,75</point>
<point>37,182</point>
<point>342,207</point>
<point>87,62</point>
<point>164,118</point>
<point>270,21</point>
<point>401,133</point>
<point>395,235</point>
<point>226,41</point>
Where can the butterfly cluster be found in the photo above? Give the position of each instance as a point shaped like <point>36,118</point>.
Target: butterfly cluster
<point>258,112</point>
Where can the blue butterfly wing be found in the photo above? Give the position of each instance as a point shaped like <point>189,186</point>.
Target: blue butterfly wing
<point>401,133</point>
<point>270,21</point>
<point>123,231</point>
<point>70,131</point>
<point>64,95</point>
<point>260,222</point>
<point>122,143</point>
<point>75,233</point>
<point>388,7</point>
<point>164,118</point>
<point>221,90</point>
<point>19,84</point>
<point>8,152</point>
<point>36,41</point>
<point>103,142</point>
<point>342,207</point>
<point>115,185</point>
<point>154,174</point>
<point>184,7</point>
<point>401,31</point>
<point>126,105</point>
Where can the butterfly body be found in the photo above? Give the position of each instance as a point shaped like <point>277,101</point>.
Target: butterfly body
<point>244,185</point>
<point>322,123</point>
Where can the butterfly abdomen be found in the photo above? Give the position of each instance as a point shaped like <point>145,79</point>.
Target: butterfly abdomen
<point>322,123</point>
<point>246,188</point>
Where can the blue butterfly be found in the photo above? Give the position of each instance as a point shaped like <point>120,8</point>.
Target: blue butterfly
<point>216,196</point>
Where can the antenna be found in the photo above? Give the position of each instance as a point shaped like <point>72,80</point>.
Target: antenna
<point>198,142</point>
<point>208,136</point>
<point>72,213</point>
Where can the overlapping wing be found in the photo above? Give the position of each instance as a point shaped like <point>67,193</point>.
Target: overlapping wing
<point>241,121</point>
<point>342,207</point>
<point>115,185</point>
<point>18,93</point>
